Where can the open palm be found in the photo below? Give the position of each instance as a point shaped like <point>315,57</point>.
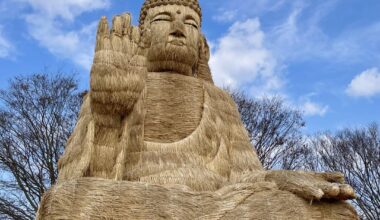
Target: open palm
<point>118,72</point>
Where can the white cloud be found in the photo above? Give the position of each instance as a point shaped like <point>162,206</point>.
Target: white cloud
<point>240,59</point>
<point>76,45</point>
<point>360,44</point>
<point>5,46</point>
<point>301,37</point>
<point>225,15</point>
<point>50,23</point>
<point>250,8</point>
<point>365,84</point>
<point>66,9</point>
<point>310,108</point>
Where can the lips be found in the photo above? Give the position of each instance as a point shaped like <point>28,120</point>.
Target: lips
<point>177,42</point>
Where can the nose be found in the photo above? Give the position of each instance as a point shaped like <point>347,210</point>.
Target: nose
<point>177,29</point>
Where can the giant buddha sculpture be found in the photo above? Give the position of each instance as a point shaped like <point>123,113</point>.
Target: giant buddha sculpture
<point>156,139</point>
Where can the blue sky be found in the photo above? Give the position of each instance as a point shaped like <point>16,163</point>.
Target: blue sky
<point>321,56</point>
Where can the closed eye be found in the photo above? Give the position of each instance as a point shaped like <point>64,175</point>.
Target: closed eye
<point>191,21</point>
<point>161,17</point>
<point>193,24</point>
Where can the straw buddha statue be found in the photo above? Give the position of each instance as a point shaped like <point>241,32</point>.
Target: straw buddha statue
<point>156,139</point>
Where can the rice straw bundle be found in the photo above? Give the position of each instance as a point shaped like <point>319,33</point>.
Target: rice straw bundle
<point>155,139</point>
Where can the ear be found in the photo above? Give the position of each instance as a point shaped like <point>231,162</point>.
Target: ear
<point>202,70</point>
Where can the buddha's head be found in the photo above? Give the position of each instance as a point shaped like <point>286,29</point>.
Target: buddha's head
<point>171,31</point>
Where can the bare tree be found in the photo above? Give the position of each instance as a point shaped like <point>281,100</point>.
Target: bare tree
<point>356,153</point>
<point>37,114</point>
<point>274,130</point>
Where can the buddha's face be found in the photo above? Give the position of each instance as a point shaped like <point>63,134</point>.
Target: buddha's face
<point>174,33</point>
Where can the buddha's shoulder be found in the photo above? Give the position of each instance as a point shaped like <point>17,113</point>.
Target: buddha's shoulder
<point>216,92</point>
<point>220,100</point>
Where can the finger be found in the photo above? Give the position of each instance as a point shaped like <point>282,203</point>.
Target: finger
<point>313,193</point>
<point>127,24</point>
<point>135,39</point>
<point>305,191</point>
<point>102,37</point>
<point>332,177</point>
<point>117,33</point>
<point>331,191</point>
<point>117,26</point>
<point>135,34</point>
<point>141,51</point>
<point>346,192</point>
<point>127,30</point>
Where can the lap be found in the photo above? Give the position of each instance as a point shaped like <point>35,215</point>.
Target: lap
<point>90,198</point>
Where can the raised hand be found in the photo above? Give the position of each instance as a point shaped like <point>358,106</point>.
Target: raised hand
<point>118,72</point>
<point>312,186</point>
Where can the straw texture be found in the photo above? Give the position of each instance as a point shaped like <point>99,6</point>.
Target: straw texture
<point>97,199</point>
<point>205,139</point>
<point>155,139</point>
<point>193,4</point>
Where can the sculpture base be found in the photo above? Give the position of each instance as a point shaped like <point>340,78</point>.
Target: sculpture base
<point>90,198</point>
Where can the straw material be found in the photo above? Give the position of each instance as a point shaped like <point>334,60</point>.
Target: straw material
<point>155,139</point>
<point>149,4</point>
<point>189,181</point>
<point>97,199</point>
<point>177,135</point>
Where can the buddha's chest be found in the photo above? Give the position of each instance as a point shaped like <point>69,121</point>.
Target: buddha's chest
<point>173,105</point>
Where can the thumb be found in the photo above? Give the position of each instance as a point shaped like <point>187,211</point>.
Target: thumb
<point>332,177</point>
<point>308,192</point>
<point>141,51</point>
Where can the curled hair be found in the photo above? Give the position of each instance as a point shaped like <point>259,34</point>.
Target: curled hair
<point>148,4</point>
